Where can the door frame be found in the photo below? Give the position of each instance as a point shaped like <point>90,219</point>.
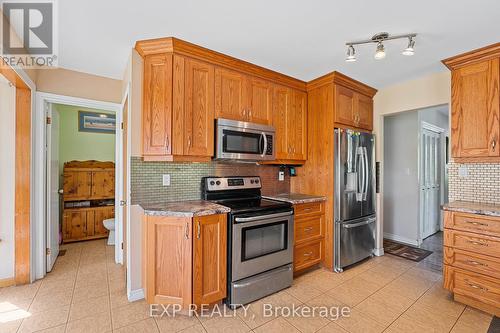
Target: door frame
<point>124,187</point>
<point>442,160</point>
<point>39,155</point>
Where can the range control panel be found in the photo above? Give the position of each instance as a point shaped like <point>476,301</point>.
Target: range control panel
<point>231,183</point>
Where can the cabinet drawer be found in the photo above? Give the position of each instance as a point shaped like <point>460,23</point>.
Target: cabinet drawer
<point>309,208</point>
<point>474,262</point>
<point>307,255</point>
<point>308,228</point>
<point>477,286</point>
<point>472,242</point>
<point>474,223</point>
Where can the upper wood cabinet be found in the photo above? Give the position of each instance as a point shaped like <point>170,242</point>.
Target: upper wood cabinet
<point>88,180</point>
<point>77,185</point>
<point>230,94</point>
<point>103,184</point>
<point>259,100</point>
<point>184,259</point>
<point>353,108</point>
<point>475,105</point>
<point>289,118</point>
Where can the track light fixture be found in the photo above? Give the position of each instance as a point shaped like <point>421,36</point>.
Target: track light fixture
<point>379,39</point>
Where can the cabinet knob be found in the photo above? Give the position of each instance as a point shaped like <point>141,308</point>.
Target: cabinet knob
<point>493,145</point>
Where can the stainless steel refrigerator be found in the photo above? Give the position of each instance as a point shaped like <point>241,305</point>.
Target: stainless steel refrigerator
<point>354,205</point>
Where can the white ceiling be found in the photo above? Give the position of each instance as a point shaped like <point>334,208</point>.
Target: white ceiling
<point>304,39</point>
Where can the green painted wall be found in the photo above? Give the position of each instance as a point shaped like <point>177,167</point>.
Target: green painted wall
<point>75,145</point>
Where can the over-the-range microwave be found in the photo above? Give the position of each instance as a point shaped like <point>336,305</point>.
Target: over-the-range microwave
<point>239,140</point>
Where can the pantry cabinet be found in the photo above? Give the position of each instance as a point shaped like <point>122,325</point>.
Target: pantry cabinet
<point>475,105</point>
<point>184,259</point>
<point>353,108</point>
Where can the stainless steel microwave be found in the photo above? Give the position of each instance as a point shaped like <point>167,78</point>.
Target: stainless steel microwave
<point>239,140</point>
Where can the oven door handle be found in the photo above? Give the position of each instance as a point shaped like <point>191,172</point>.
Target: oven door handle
<point>262,217</point>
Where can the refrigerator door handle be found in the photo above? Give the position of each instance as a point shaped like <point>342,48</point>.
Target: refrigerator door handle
<point>361,174</point>
<point>359,224</point>
<point>366,173</point>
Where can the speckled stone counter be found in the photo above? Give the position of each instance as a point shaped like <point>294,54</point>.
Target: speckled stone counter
<point>295,198</point>
<point>473,208</point>
<point>184,208</point>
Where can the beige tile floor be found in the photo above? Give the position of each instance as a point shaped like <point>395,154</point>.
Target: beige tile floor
<point>86,293</point>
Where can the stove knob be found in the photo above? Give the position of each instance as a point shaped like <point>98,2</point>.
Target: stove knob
<point>217,182</point>
<point>251,181</point>
<point>212,183</point>
<point>256,181</point>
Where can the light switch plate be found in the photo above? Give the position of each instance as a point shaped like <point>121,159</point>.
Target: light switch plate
<point>463,172</point>
<point>281,176</point>
<point>166,180</point>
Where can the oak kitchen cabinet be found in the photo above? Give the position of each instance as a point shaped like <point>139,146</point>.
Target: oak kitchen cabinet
<point>184,259</point>
<point>186,87</point>
<point>475,105</point>
<point>290,121</point>
<point>309,234</point>
<point>353,108</point>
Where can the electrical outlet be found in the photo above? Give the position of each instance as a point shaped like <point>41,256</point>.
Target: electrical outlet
<point>281,176</point>
<point>166,180</point>
<point>463,172</point>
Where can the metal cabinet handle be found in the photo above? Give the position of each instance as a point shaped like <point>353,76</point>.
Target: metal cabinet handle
<point>476,263</point>
<point>308,254</point>
<point>186,235</point>
<point>475,286</point>
<point>168,142</point>
<point>249,113</point>
<point>477,223</point>
<point>478,243</point>
<point>189,140</point>
<point>493,144</point>
<point>198,234</point>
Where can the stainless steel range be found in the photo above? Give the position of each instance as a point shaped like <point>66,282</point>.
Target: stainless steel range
<point>260,238</point>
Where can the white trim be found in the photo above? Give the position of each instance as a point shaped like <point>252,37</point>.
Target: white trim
<point>135,295</point>
<point>431,127</point>
<point>400,239</point>
<point>39,168</point>
<point>379,252</point>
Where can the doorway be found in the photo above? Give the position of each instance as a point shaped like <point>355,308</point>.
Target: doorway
<point>61,123</point>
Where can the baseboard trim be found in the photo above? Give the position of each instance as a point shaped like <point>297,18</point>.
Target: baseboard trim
<point>7,282</point>
<point>135,295</point>
<point>379,252</point>
<point>400,239</point>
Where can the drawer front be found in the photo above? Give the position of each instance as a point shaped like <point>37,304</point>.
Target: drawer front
<point>309,208</point>
<point>476,286</point>
<point>472,242</point>
<point>308,228</point>
<point>473,262</point>
<point>474,223</point>
<point>307,255</point>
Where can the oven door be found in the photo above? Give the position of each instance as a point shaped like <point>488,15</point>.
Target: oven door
<point>261,243</point>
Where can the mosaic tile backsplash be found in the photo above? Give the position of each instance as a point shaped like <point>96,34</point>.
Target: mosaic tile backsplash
<point>185,179</point>
<point>482,183</point>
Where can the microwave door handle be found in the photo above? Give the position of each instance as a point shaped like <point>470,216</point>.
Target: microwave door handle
<point>264,147</point>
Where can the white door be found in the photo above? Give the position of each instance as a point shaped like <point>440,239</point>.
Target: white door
<point>430,195</point>
<point>53,204</point>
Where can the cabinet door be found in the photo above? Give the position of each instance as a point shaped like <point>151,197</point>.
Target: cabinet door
<point>101,214</point>
<point>157,105</point>
<point>344,106</point>
<point>199,108</point>
<point>209,259</point>
<point>364,111</point>
<point>75,222</point>
<point>297,126</point>
<point>229,95</point>
<point>77,185</point>
<point>167,260</point>
<point>475,124</point>
<point>103,184</point>
<point>90,223</point>
<point>281,107</point>
<point>259,101</point>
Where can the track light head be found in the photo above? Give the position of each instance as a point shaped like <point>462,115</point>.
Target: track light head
<point>410,49</point>
<point>351,54</point>
<point>380,52</point>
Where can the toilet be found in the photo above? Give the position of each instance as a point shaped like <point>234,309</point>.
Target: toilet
<point>110,225</point>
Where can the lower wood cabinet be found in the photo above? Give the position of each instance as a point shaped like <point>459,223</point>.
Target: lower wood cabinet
<point>184,259</point>
<point>309,234</point>
<point>472,260</point>
<point>86,223</point>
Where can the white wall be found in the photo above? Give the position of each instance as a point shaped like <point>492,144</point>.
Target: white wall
<point>424,92</point>
<point>401,177</point>
<point>7,173</point>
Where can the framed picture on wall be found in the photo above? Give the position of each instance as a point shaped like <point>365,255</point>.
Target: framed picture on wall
<point>96,122</point>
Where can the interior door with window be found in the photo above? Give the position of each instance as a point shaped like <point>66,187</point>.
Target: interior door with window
<point>53,174</point>
<point>430,178</point>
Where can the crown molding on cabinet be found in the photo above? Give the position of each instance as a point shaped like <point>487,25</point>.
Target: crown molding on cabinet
<point>472,57</point>
<point>343,80</point>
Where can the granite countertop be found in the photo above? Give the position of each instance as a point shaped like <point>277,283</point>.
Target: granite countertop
<point>295,198</point>
<point>473,208</point>
<point>184,208</point>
